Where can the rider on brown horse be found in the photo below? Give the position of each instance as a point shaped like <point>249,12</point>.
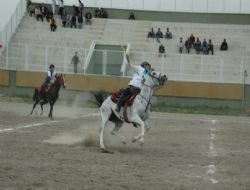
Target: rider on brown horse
<point>135,83</point>
<point>50,78</point>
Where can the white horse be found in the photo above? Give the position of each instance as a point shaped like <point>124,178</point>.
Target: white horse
<point>137,114</point>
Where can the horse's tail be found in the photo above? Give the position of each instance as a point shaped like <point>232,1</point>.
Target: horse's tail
<point>100,97</point>
<point>35,95</point>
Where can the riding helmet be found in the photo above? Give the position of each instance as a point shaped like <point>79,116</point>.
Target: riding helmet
<point>144,63</point>
<point>52,66</point>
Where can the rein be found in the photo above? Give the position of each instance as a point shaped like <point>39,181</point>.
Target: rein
<point>156,88</point>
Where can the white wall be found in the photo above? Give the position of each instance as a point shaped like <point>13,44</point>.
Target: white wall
<point>199,6</point>
<point>7,8</point>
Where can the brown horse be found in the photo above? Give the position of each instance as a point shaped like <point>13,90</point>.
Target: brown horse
<point>43,97</point>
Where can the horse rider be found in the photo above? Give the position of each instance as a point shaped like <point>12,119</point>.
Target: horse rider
<point>51,77</point>
<point>135,84</point>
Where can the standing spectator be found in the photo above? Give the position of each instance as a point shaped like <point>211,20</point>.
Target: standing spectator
<point>76,10</point>
<point>224,46</point>
<point>197,45</point>
<point>38,13</point>
<point>64,17</point>
<point>88,17</point>
<point>159,34</point>
<point>81,7</point>
<point>60,3</point>
<point>79,21</point>
<point>162,51</point>
<point>188,45</point>
<point>181,45</point>
<point>151,34</point>
<point>131,16</point>
<point>168,34</point>
<point>75,60</point>
<point>210,47</point>
<point>53,25</point>
<point>204,46</point>
<point>53,6</point>
<point>73,21</point>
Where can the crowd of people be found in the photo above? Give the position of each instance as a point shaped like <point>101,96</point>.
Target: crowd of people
<point>74,20</point>
<point>205,47</point>
<point>77,19</point>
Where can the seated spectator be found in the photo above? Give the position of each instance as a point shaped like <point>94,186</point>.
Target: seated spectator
<point>168,34</point>
<point>188,45</point>
<point>49,15</point>
<point>162,51</point>
<point>28,3</point>
<point>38,13</point>
<point>88,17</point>
<point>79,21</point>
<point>31,9</point>
<point>197,45</point>
<point>192,39</point>
<point>97,12</point>
<point>151,34</point>
<point>224,46</point>
<point>210,47</point>
<point>73,21</point>
<point>131,16</point>
<point>181,45</point>
<point>158,35</point>
<point>103,13</point>
<point>204,46</point>
<point>53,24</point>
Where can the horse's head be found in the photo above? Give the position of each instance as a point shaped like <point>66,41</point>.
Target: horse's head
<point>156,78</point>
<point>60,78</point>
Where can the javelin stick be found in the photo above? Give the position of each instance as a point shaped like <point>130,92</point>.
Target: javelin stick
<point>125,60</point>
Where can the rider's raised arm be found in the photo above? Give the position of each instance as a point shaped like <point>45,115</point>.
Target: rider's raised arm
<point>130,65</point>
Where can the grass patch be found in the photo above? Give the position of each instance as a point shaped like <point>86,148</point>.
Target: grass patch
<point>201,110</point>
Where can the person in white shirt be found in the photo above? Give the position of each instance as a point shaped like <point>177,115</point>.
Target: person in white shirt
<point>51,76</point>
<point>135,83</point>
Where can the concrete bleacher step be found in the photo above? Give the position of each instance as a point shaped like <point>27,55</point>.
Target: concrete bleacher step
<point>60,46</point>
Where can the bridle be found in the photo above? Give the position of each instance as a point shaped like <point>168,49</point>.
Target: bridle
<point>153,78</point>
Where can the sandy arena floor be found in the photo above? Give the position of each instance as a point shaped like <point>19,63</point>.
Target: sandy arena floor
<point>181,151</point>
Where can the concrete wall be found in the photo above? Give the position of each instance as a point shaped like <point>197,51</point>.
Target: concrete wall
<point>4,78</point>
<point>175,93</point>
<point>179,17</point>
<point>204,6</point>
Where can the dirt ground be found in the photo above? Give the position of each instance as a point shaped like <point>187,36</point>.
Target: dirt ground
<point>181,151</point>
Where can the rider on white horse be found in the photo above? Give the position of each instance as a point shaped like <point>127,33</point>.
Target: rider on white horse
<point>135,83</point>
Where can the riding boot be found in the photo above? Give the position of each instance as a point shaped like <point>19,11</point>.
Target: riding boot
<point>120,102</point>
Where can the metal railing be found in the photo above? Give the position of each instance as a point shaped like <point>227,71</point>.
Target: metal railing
<point>12,24</point>
<point>179,67</point>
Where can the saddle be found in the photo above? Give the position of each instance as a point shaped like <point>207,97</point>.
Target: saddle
<point>43,88</point>
<point>129,99</point>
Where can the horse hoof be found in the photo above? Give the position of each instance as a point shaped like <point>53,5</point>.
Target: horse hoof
<point>103,150</point>
<point>141,143</point>
<point>124,142</point>
<point>134,140</point>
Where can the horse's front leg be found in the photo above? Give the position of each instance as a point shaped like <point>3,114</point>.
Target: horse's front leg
<point>105,114</point>
<point>51,110</point>
<point>41,104</point>
<point>34,105</point>
<point>141,135</point>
